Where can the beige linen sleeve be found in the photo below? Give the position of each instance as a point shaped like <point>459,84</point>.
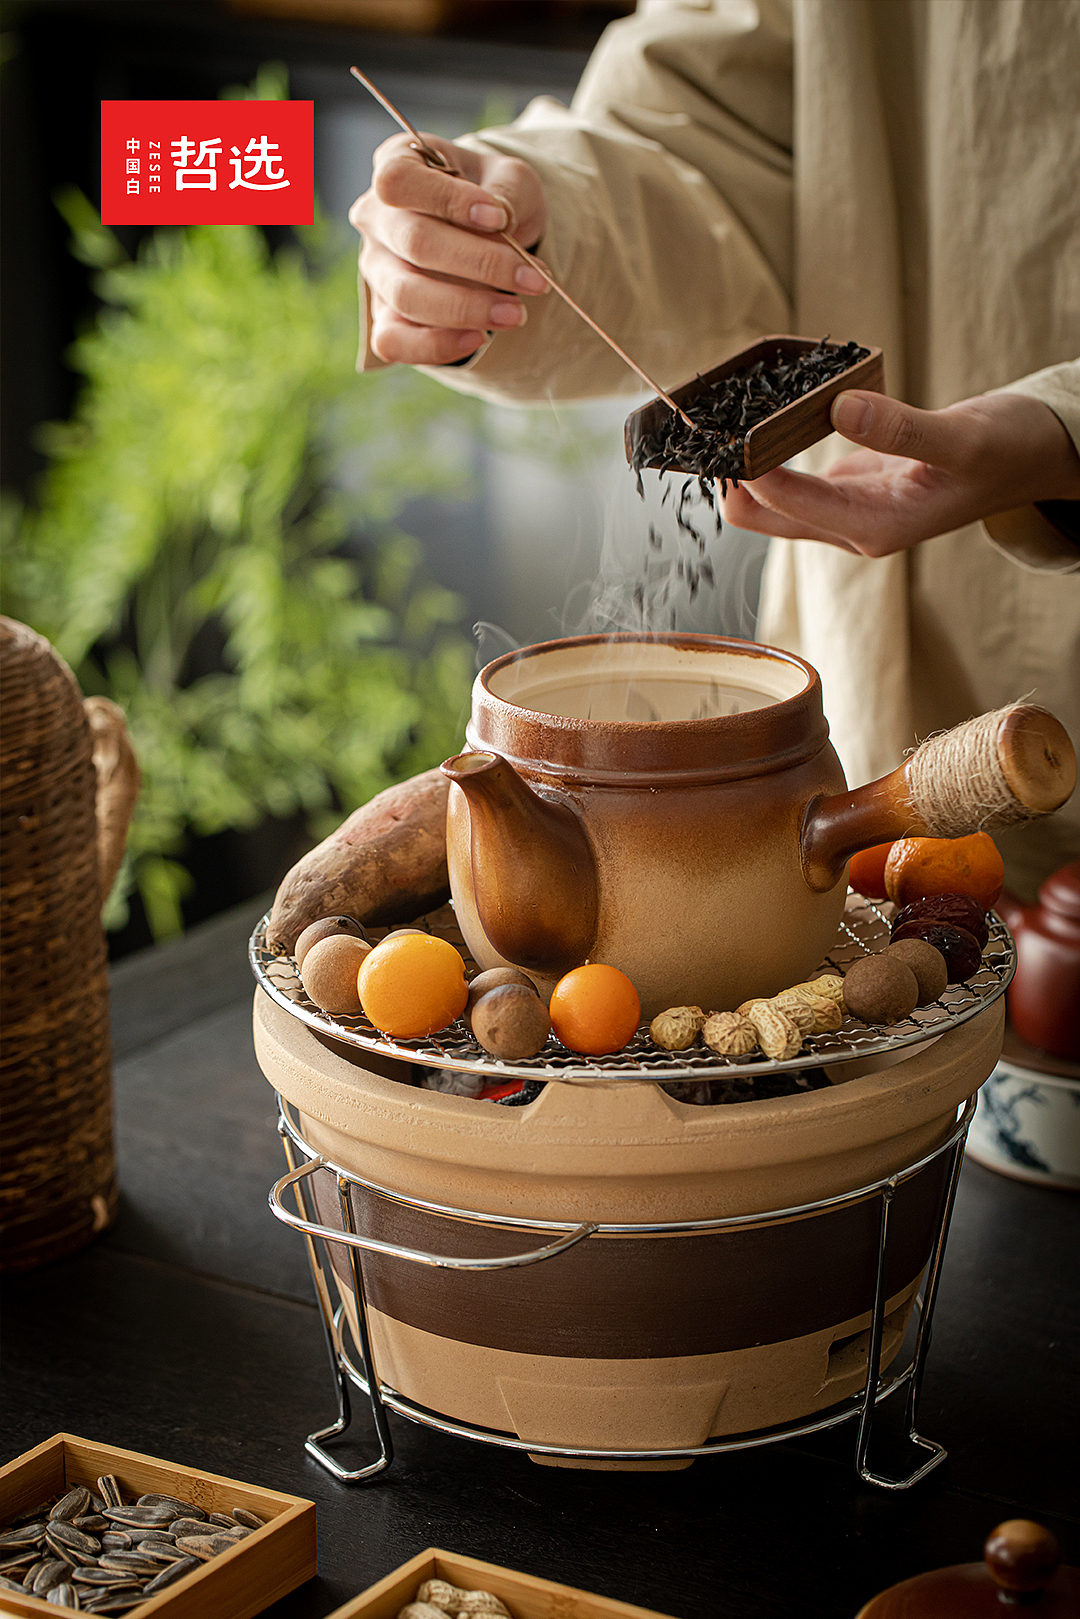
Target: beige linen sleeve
<point>1045,537</point>
<point>669,192</point>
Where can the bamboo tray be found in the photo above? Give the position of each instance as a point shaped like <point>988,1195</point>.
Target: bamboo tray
<point>526,1596</point>
<point>787,431</point>
<point>236,1584</point>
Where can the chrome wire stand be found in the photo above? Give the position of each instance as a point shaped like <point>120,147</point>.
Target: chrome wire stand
<point>561,1236</point>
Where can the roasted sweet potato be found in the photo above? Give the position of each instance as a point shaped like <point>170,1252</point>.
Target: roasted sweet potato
<point>385,864</point>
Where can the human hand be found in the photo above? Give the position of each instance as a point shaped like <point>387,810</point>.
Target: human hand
<point>438,279</point>
<point>921,473</point>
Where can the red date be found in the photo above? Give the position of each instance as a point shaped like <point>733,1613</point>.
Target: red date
<point>959,947</point>
<point>954,910</point>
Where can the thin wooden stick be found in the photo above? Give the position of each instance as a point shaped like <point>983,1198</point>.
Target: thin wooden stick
<point>436,160</point>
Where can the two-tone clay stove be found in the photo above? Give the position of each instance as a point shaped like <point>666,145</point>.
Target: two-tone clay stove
<point>610,1277</point>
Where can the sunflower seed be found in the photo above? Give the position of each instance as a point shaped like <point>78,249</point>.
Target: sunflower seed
<point>222,1520</point>
<point>188,1526</point>
<point>249,1520</point>
<point>138,1536</point>
<point>163,1551</point>
<point>72,1559</point>
<point>131,1561</point>
<point>11,1585</point>
<point>54,1572</point>
<point>196,1546</point>
<point>23,1561</point>
<point>64,1596</point>
<point>168,1575</point>
<point>114,1602</point>
<point>109,1491</point>
<point>96,1503</point>
<point>72,1505</point>
<point>92,1520</point>
<point>115,1540</point>
<point>140,1517</point>
<point>29,1534</point>
<point>104,1576</point>
<point>181,1509</point>
<point>76,1540</point>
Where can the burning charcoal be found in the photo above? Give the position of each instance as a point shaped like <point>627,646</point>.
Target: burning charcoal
<point>528,1093</point>
<point>747,1087</point>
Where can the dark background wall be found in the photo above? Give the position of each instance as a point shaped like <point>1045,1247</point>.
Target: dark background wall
<point>63,57</point>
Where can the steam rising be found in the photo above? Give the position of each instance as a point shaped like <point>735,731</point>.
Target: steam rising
<point>649,565</point>
<point>657,576</point>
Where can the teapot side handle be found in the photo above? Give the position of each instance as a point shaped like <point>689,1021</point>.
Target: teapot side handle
<point>1011,765</point>
<point>838,825</point>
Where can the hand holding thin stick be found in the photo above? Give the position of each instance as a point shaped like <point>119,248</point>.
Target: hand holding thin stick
<point>436,160</point>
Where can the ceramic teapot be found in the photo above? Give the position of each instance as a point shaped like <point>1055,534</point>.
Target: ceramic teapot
<point>1044,997</point>
<point>671,805</point>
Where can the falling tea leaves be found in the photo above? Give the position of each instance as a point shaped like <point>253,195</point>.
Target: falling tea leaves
<point>713,451</point>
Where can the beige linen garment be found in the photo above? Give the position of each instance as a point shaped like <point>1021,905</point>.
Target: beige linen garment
<point>901,172</point>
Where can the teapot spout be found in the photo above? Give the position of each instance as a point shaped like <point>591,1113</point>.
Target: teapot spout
<point>533,870</point>
<point>1008,766</point>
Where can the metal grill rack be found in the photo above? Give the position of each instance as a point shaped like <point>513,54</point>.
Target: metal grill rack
<point>863,930</point>
<point>556,1238</point>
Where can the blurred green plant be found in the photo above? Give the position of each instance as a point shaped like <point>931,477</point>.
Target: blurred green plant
<point>216,544</point>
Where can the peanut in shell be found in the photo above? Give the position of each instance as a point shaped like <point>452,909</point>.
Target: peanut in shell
<point>778,1035</point>
<point>676,1029</point>
<point>729,1034</point>
<point>827,1014</point>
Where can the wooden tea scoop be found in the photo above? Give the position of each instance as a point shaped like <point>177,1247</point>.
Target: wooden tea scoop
<point>1020,1570</point>
<point>777,437</point>
<point>436,160</point>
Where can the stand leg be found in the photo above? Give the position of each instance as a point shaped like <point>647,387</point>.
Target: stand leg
<point>873,1355</point>
<point>930,1290</point>
<point>922,1341</point>
<point>322,1284</point>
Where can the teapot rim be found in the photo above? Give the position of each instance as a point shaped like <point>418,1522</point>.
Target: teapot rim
<point>784,733</point>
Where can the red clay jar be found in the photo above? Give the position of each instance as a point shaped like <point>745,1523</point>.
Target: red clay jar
<point>1044,997</point>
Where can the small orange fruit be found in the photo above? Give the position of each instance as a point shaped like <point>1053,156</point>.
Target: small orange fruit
<point>919,867</point>
<point>411,985</point>
<point>866,873</point>
<point>595,1009</point>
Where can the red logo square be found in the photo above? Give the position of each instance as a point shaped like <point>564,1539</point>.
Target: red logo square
<point>207,162</point>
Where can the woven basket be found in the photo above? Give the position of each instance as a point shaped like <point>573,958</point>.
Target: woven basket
<point>57,1173</point>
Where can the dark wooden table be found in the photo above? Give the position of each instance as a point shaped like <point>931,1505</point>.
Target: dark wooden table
<point>190,1332</point>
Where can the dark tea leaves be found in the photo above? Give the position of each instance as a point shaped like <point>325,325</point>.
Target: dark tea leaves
<point>713,450</point>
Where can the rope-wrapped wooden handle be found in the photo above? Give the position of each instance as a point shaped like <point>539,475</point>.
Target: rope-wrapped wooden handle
<point>118,779</point>
<point>1010,765</point>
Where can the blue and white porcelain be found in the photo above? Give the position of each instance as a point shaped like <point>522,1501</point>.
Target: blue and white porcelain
<point>1028,1125</point>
